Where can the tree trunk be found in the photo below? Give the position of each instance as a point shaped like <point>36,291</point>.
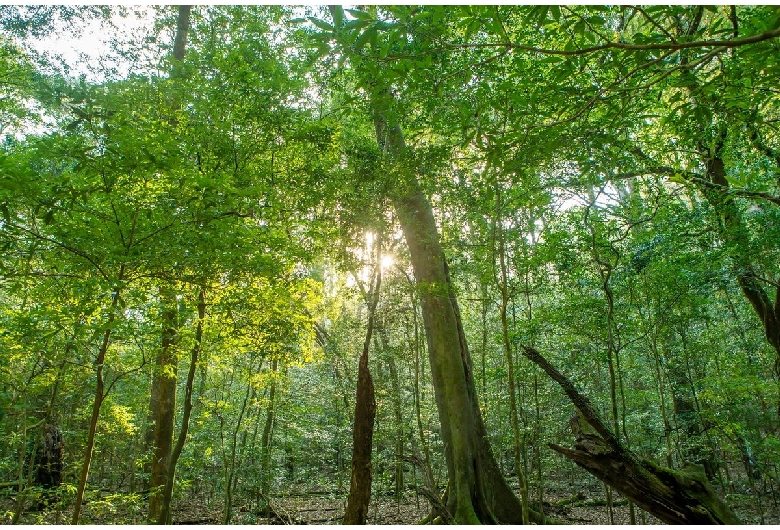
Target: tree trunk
<point>265,440</point>
<point>675,497</point>
<point>230,464</point>
<point>733,230</point>
<point>476,490</point>
<point>398,416</point>
<point>165,509</point>
<point>502,283</point>
<point>51,462</point>
<point>365,412</point>
<point>162,405</point>
<point>97,401</point>
<point>399,425</point>
<point>426,462</point>
<point>165,407</point>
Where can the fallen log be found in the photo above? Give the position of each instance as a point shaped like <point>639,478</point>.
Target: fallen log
<point>675,497</point>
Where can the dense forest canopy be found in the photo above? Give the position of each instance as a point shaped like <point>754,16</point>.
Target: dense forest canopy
<point>484,261</point>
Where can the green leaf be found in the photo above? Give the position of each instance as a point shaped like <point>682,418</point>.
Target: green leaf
<point>338,16</point>
<point>356,24</point>
<point>384,49</point>
<point>364,37</point>
<point>362,15</point>
<point>321,24</point>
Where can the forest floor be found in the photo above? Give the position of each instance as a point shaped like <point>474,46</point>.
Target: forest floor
<point>586,507</point>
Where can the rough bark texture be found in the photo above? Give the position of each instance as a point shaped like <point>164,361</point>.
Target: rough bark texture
<point>182,28</point>
<point>51,463</point>
<point>675,497</point>
<point>363,428</point>
<point>362,440</point>
<point>477,492</point>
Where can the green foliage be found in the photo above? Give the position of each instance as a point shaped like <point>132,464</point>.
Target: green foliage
<point>573,141</point>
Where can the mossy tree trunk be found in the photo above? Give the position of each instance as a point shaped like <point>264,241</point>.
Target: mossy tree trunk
<point>675,497</point>
<point>476,492</point>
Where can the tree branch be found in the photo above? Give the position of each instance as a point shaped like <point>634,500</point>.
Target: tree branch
<point>674,46</point>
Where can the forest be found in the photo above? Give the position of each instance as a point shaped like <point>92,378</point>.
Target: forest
<point>390,264</point>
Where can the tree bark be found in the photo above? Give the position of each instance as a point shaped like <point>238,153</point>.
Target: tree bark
<point>164,516</point>
<point>732,229</point>
<point>365,412</point>
<point>230,464</point>
<point>165,382</point>
<point>477,492</point>
<point>399,425</point>
<point>51,462</point>
<point>266,438</point>
<point>165,407</point>
<point>97,401</point>
<point>502,282</point>
<point>675,497</point>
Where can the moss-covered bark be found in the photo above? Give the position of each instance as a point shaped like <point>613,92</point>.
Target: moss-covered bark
<point>476,492</point>
<point>675,497</point>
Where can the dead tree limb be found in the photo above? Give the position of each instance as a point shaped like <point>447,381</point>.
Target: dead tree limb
<point>675,497</point>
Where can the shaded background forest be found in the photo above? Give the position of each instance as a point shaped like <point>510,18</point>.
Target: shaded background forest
<point>214,220</point>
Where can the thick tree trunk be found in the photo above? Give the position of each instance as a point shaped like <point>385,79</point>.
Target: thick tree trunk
<point>363,427</point>
<point>165,407</point>
<point>675,497</point>
<point>477,492</point>
<point>50,463</point>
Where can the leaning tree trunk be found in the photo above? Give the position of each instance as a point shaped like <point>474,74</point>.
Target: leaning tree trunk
<point>675,497</point>
<point>731,226</point>
<point>97,402</point>
<point>733,230</point>
<point>476,492</point>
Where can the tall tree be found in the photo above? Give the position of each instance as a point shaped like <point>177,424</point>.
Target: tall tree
<point>164,381</point>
